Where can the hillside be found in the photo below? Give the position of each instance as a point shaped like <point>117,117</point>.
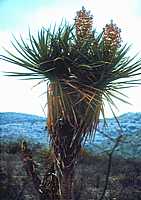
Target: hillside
<point>91,170</point>
<point>16,126</point>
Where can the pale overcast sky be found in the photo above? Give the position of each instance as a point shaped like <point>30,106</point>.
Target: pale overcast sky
<point>16,16</point>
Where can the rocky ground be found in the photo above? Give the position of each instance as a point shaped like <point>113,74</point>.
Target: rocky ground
<point>124,178</point>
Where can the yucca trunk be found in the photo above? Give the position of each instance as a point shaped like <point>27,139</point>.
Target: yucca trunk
<point>66,185</point>
<point>62,131</point>
<point>65,160</point>
<point>67,122</point>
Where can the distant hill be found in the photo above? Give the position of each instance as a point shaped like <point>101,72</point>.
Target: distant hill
<point>16,126</point>
<point>13,117</point>
<point>129,127</point>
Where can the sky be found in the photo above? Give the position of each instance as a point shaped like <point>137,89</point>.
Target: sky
<point>16,16</point>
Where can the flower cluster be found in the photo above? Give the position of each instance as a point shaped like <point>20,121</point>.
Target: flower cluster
<point>112,38</point>
<point>83,23</point>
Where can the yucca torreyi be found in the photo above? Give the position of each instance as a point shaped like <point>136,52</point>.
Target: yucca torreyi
<point>82,69</point>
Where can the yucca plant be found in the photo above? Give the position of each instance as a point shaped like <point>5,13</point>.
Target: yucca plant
<point>82,70</point>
